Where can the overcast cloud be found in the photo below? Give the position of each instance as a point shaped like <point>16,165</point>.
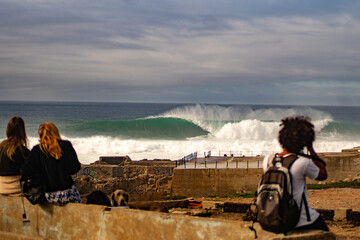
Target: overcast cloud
<point>227,51</point>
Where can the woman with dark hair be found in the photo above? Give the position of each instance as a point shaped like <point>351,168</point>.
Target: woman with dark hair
<point>296,134</point>
<point>54,161</point>
<point>13,152</point>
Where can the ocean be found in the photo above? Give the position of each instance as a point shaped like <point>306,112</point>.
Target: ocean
<point>172,131</point>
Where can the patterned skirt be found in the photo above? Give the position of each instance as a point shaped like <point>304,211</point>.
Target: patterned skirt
<point>64,197</point>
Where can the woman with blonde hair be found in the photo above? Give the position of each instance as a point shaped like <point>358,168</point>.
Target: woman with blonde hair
<point>54,161</point>
<point>13,151</point>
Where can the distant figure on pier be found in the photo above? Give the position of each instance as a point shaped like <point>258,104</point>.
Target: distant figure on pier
<point>298,133</point>
<point>13,152</point>
<point>53,160</point>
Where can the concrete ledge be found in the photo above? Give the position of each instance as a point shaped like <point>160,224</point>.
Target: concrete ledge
<point>236,207</point>
<point>341,214</point>
<point>309,235</point>
<point>80,221</point>
<point>354,217</point>
<point>15,236</point>
<point>209,205</point>
<point>175,203</point>
<point>326,214</point>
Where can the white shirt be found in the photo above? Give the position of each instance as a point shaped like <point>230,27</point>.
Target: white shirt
<point>302,167</point>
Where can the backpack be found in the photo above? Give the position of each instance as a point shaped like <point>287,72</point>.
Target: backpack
<point>277,211</point>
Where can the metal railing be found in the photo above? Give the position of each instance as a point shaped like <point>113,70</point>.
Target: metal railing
<point>245,164</point>
<point>190,161</point>
<point>221,165</point>
<point>247,153</point>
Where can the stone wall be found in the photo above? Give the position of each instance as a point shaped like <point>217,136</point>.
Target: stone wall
<point>143,180</point>
<point>98,171</point>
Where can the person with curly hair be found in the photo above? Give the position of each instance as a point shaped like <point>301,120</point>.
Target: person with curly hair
<point>54,161</point>
<point>297,133</point>
<point>13,152</point>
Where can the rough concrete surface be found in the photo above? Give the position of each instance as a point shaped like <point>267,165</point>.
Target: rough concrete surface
<point>80,221</point>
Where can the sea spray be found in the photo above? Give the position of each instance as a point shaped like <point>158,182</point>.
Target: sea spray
<point>241,112</point>
<point>249,130</point>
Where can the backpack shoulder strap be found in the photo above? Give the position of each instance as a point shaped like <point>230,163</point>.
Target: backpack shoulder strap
<point>275,158</point>
<point>271,160</point>
<point>289,160</point>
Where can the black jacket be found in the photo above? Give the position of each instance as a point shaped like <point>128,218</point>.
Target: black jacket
<point>55,174</point>
<point>10,167</point>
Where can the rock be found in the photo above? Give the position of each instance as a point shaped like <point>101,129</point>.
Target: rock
<point>190,212</point>
<point>356,179</point>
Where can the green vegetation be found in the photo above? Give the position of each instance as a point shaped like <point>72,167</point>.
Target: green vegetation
<point>215,196</point>
<point>243,195</point>
<point>340,184</point>
<point>175,197</point>
<point>235,195</point>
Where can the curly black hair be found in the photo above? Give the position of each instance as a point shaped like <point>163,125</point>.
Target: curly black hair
<point>296,133</point>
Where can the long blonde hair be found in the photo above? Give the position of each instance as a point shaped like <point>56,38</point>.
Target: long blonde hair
<point>16,137</point>
<point>49,140</point>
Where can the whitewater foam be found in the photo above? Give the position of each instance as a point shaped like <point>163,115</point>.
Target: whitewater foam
<point>89,149</point>
<point>249,130</point>
<point>235,129</point>
<point>213,118</point>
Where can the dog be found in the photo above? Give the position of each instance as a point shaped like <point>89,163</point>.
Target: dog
<point>120,198</point>
<point>98,197</point>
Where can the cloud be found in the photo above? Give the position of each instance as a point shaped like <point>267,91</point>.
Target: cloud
<point>226,51</point>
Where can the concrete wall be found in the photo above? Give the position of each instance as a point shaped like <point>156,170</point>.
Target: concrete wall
<point>207,182</point>
<point>224,182</point>
<point>342,165</point>
<point>80,221</point>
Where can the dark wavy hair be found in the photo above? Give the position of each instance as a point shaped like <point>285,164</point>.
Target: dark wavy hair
<point>296,133</point>
<point>16,137</point>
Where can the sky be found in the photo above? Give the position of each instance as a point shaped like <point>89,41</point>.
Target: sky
<point>214,51</point>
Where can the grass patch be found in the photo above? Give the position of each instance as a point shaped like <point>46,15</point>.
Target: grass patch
<point>243,195</point>
<point>215,196</point>
<point>340,184</point>
<point>235,195</point>
<point>175,197</point>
